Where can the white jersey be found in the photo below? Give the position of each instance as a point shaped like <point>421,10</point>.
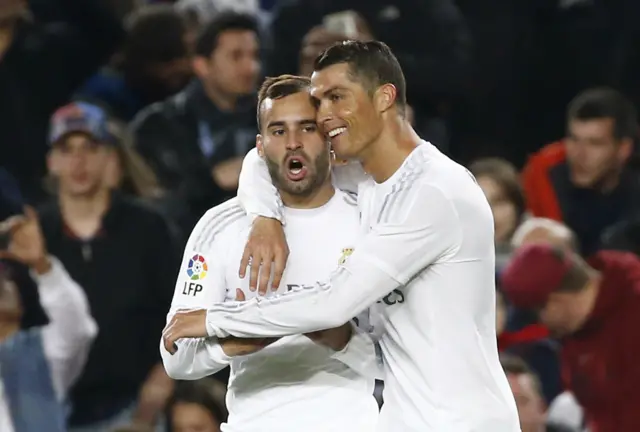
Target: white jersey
<point>427,263</point>
<point>293,384</point>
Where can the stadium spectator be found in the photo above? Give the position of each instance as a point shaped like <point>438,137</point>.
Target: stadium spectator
<point>196,140</point>
<point>527,392</point>
<point>529,341</point>
<point>40,364</point>
<point>41,64</point>
<point>154,64</point>
<point>583,180</point>
<point>500,182</point>
<point>123,255</point>
<point>436,68</point>
<point>198,406</point>
<point>593,308</point>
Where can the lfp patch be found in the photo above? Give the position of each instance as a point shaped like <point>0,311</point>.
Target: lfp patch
<point>197,268</point>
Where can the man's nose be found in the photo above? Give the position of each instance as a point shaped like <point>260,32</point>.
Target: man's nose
<point>324,113</point>
<point>293,141</point>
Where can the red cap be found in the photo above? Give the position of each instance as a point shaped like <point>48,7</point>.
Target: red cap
<point>533,273</point>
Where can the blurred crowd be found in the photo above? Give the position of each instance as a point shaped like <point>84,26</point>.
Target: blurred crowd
<point>123,121</point>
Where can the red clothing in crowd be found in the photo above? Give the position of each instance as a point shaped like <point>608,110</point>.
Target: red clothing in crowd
<point>601,363</point>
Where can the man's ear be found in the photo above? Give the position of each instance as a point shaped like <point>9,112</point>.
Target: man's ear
<point>200,66</point>
<point>53,164</point>
<point>385,97</point>
<point>626,149</point>
<point>259,145</point>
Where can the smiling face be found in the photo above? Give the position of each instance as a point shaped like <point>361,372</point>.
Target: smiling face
<point>347,112</point>
<point>296,153</point>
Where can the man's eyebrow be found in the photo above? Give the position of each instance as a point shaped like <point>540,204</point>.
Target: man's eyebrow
<point>275,123</point>
<point>280,123</point>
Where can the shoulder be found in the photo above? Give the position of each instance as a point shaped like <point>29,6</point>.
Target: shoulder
<point>158,112</point>
<point>546,158</point>
<point>224,221</point>
<point>348,199</point>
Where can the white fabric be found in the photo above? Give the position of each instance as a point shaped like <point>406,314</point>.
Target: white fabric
<point>427,263</point>
<point>66,339</point>
<point>293,384</point>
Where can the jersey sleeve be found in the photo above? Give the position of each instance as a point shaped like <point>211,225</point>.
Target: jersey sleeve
<point>256,192</point>
<point>259,196</point>
<point>416,231</point>
<point>201,282</point>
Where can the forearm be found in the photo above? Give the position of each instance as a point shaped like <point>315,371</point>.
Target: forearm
<point>256,192</point>
<point>327,305</point>
<point>194,359</point>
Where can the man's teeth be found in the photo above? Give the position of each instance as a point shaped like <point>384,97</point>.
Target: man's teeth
<point>336,131</point>
<point>296,170</point>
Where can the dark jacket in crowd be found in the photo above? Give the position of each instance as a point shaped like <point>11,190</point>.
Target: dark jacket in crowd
<point>43,66</point>
<point>589,213</point>
<point>184,137</point>
<point>128,272</point>
<point>600,362</point>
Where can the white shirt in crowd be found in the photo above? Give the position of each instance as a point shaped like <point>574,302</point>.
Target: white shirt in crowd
<point>427,265</point>
<point>294,384</point>
<point>66,339</point>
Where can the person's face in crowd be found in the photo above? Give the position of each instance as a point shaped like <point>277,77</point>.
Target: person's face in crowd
<point>505,213</point>
<point>347,113</point>
<point>531,407</point>
<point>166,79</point>
<point>296,153</point>
<point>594,155</point>
<point>191,417</point>
<point>564,313</point>
<point>234,65</point>
<point>79,163</point>
<point>10,308</point>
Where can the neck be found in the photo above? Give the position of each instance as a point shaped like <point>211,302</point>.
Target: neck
<point>384,156</point>
<point>222,100</point>
<point>84,208</point>
<point>317,198</point>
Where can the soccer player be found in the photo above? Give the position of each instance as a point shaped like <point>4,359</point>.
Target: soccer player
<point>425,260</point>
<point>292,384</point>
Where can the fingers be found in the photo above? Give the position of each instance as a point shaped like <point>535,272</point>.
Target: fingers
<point>5,254</point>
<point>265,274</point>
<point>11,224</point>
<point>244,262</point>
<point>169,337</point>
<point>280,264</point>
<point>240,295</point>
<point>256,262</point>
<point>30,213</point>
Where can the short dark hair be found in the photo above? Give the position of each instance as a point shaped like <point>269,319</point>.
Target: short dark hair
<point>279,87</point>
<point>577,275</point>
<point>514,365</point>
<point>207,39</point>
<point>370,62</point>
<point>155,35</point>
<point>603,102</point>
<point>506,176</point>
<point>206,392</point>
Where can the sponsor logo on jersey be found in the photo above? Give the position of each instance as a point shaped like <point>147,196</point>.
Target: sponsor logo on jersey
<point>346,253</point>
<point>197,268</point>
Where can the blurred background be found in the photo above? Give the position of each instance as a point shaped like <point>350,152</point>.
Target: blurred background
<point>536,97</point>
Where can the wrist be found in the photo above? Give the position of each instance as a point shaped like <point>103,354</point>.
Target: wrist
<point>42,265</point>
